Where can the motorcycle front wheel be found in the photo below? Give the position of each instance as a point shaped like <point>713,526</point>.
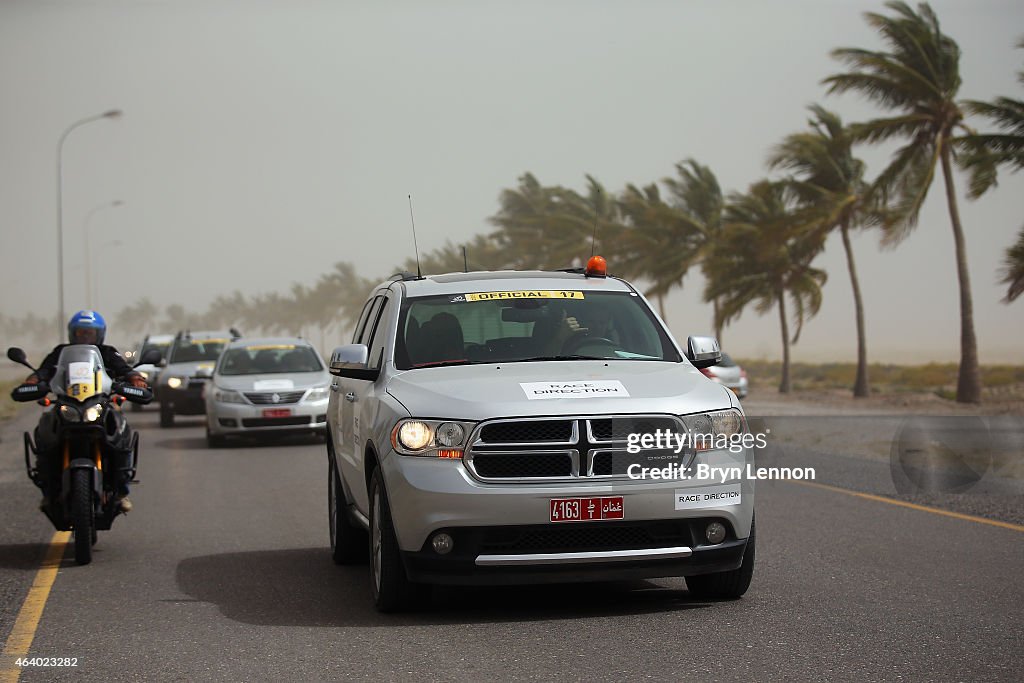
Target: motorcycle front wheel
<point>82,515</point>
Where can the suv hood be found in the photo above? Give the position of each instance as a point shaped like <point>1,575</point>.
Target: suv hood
<point>480,392</point>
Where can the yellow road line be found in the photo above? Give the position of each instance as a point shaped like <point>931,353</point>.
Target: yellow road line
<point>913,506</point>
<point>20,640</point>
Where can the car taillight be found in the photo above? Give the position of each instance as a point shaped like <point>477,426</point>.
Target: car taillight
<point>743,373</point>
<point>707,372</point>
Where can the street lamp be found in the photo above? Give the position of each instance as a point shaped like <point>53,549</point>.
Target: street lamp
<point>88,251</point>
<point>112,114</point>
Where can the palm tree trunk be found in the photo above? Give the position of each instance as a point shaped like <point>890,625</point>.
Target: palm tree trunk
<point>860,385</point>
<point>784,384</point>
<point>968,386</point>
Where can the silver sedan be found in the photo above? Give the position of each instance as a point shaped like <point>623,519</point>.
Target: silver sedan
<point>266,386</point>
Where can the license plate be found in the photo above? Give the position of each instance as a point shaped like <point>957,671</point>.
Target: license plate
<point>585,509</point>
<point>277,412</point>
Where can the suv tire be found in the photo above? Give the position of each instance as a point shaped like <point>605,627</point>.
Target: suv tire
<point>729,585</point>
<point>392,590</point>
<point>166,415</point>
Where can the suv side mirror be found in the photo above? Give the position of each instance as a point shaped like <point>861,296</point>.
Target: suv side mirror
<point>150,357</point>
<point>352,360</point>
<point>703,352</point>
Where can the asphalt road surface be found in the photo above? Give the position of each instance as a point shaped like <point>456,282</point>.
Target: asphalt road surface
<point>222,572</point>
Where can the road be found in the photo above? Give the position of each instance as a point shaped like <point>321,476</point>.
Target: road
<point>222,572</point>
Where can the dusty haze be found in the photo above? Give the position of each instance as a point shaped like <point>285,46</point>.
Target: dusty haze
<point>264,141</point>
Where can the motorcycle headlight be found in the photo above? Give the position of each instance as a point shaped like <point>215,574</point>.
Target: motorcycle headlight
<point>227,396</point>
<point>317,394</point>
<point>175,382</point>
<point>70,413</point>
<point>433,438</point>
<point>145,375</point>
<point>93,412</point>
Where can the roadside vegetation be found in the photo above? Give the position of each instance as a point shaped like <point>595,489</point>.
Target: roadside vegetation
<point>755,249</point>
<point>934,378</point>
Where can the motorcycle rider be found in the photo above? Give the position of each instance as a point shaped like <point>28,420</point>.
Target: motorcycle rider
<point>85,327</point>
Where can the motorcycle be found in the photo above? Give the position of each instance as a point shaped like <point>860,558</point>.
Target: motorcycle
<point>87,426</point>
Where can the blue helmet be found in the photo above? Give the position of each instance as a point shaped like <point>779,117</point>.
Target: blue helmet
<point>87,320</point>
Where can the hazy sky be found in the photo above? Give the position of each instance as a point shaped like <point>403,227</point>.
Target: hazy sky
<point>264,141</point>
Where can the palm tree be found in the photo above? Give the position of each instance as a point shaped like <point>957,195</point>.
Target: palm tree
<point>764,257</point>
<point>659,242</point>
<point>554,226</point>
<point>985,153</point>
<point>698,196</point>
<point>829,183</point>
<point>918,80</point>
<point>1013,269</point>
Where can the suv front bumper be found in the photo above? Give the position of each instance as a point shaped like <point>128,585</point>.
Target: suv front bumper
<point>503,534</point>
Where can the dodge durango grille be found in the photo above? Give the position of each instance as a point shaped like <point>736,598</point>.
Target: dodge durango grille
<point>570,448</point>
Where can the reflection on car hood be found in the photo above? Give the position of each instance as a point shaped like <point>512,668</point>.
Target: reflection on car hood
<point>478,392</point>
<point>273,382</point>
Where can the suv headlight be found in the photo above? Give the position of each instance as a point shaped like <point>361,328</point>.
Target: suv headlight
<point>713,431</point>
<point>227,396</point>
<point>316,394</point>
<point>432,438</point>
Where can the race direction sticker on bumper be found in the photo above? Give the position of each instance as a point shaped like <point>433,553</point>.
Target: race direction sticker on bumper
<point>708,497</point>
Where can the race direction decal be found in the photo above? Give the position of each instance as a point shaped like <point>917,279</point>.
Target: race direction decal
<point>575,389</point>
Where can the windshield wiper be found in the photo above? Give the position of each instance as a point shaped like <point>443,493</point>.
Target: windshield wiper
<point>543,358</point>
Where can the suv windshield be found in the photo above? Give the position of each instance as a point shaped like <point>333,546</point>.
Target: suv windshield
<point>269,358</point>
<point>525,326</point>
<point>190,350</point>
<point>159,346</point>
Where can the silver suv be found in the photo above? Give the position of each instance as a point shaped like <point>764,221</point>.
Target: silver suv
<point>522,427</point>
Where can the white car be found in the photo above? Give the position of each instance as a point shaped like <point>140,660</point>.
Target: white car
<point>729,374</point>
<point>269,386</point>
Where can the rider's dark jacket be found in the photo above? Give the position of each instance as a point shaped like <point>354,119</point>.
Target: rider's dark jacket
<point>117,367</point>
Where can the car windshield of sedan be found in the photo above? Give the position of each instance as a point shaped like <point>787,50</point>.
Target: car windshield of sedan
<point>523,326</point>
<point>264,359</point>
<point>191,350</point>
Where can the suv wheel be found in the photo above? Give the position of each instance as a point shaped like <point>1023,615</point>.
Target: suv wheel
<point>731,584</point>
<point>166,415</point>
<point>348,541</point>
<point>392,590</point>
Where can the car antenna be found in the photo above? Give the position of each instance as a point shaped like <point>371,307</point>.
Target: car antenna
<point>465,260</point>
<point>412,219</point>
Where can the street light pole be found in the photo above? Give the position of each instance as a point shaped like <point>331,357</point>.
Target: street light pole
<point>88,251</point>
<point>112,114</point>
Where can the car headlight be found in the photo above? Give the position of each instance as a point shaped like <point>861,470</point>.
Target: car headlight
<point>227,396</point>
<point>93,412</point>
<point>316,394</point>
<point>175,382</point>
<point>711,431</point>
<point>70,413</point>
<point>432,438</point>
